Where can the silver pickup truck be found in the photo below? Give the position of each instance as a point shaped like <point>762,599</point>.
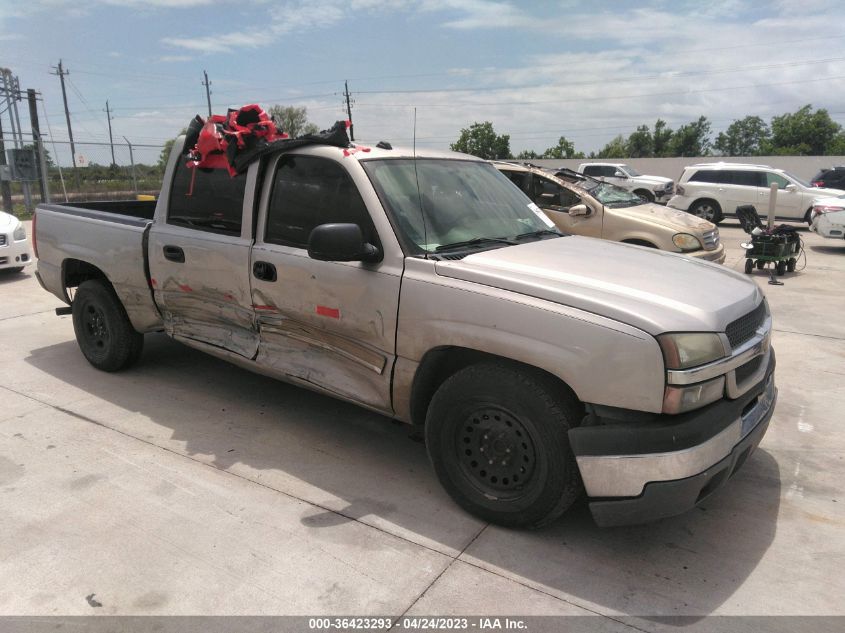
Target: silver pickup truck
<point>428,288</point>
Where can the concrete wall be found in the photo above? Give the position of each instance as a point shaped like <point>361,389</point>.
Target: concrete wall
<point>802,166</point>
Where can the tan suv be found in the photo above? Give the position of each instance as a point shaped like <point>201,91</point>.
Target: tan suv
<point>585,206</point>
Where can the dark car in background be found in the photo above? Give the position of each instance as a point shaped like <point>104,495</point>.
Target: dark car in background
<point>830,177</point>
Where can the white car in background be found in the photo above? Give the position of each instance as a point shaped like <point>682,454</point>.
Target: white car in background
<point>14,247</point>
<point>827,217</point>
<point>649,188</point>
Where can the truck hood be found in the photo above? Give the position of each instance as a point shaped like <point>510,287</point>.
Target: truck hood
<point>649,289</point>
<point>652,180</point>
<point>680,221</point>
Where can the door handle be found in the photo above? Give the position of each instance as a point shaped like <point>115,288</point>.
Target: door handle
<point>265,271</point>
<point>174,253</point>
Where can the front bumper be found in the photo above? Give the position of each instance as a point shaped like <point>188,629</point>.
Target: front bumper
<point>15,254</point>
<point>641,471</point>
<point>717,255</point>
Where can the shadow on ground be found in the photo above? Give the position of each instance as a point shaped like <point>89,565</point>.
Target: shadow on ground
<point>359,465</point>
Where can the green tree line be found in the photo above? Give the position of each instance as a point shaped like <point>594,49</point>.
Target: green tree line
<point>805,132</point>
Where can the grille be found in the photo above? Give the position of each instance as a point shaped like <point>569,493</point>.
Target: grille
<point>744,372</point>
<point>744,327</point>
<point>711,239</point>
<point>2,240</point>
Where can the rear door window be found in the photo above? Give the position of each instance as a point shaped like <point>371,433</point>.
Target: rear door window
<point>206,199</point>
<point>747,178</point>
<point>593,170</point>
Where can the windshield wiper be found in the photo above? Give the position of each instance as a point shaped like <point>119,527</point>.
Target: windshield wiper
<point>538,234</point>
<point>476,241</point>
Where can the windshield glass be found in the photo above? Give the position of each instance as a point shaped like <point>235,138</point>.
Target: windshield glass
<point>800,181</point>
<point>631,171</point>
<point>462,200</point>
<point>611,195</point>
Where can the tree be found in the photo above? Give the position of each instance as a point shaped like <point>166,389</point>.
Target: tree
<point>804,133</point>
<point>293,120</point>
<point>164,156</point>
<point>692,139</point>
<point>641,143</point>
<point>563,149</point>
<point>47,158</point>
<point>481,140</point>
<point>744,137</point>
<point>528,154</point>
<point>662,138</point>
<point>617,148</point>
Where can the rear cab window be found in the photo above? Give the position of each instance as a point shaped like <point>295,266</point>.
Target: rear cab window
<point>206,200</point>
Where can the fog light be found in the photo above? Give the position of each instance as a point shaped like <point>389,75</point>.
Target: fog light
<point>689,397</point>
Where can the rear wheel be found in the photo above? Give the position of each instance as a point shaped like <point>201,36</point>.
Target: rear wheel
<point>749,266</point>
<point>761,264</point>
<point>790,265</point>
<point>781,267</point>
<point>708,210</point>
<point>497,436</point>
<point>103,331</point>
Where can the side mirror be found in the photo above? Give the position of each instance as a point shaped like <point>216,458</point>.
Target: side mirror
<point>341,243</point>
<point>619,174</point>
<point>790,187</point>
<point>579,209</point>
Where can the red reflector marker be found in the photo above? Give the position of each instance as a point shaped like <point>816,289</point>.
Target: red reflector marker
<point>333,313</point>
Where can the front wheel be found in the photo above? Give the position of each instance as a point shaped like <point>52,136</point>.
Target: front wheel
<point>790,264</point>
<point>749,266</point>
<point>708,210</point>
<point>645,194</point>
<point>103,331</point>
<point>497,436</point>
<point>780,267</point>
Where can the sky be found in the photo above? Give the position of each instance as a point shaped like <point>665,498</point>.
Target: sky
<point>537,70</point>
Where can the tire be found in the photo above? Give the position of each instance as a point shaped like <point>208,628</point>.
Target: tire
<point>708,210</point>
<point>790,265</point>
<point>103,331</point>
<point>760,264</point>
<point>645,194</point>
<point>807,217</point>
<point>781,267</point>
<point>749,266</point>
<point>537,478</point>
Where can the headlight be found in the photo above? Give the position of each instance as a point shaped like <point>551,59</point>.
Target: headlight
<point>20,233</point>
<point>682,351</point>
<point>686,242</point>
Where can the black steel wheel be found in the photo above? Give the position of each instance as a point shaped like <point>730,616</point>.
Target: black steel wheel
<point>749,266</point>
<point>103,331</point>
<point>497,437</point>
<point>781,267</point>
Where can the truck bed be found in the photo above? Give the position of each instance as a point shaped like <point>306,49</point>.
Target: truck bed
<point>141,211</point>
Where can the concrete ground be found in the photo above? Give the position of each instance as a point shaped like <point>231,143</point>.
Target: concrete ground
<point>188,486</point>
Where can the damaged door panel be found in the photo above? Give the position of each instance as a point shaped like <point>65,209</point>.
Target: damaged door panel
<point>199,260</point>
<point>332,324</point>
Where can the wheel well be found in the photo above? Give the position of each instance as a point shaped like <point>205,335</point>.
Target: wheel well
<point>75,271</point>
<point>644,193</point>
<point>441,363</point>
<point>640,243</point>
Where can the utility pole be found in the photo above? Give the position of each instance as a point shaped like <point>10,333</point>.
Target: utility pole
<point>39,146</point>
<point>207,85</point>
<point>12,91</point>
<point>5,185</point>
<point>349,110</point>
<point>61,74</point>
<point>111,142</point>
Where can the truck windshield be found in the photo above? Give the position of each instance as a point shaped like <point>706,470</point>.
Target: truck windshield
<point>611,195</point>
<point>466,204</point>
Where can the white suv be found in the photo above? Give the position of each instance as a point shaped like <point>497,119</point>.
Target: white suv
<point>714,190</point>
<point>649,188</point>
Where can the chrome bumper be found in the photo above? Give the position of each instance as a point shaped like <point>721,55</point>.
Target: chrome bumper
<point>627,475</point>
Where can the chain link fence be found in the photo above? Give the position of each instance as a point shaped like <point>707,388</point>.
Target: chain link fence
<point>100,171</point>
